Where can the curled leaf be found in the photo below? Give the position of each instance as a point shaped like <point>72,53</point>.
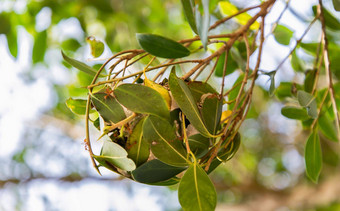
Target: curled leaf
<point>97,47</point>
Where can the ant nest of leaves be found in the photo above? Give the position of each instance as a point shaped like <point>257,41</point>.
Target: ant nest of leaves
<point>153,132</point>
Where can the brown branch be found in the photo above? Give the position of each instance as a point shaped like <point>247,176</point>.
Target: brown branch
<point>328,71</point>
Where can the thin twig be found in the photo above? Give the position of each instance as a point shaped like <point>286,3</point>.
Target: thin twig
<point>328,71</point>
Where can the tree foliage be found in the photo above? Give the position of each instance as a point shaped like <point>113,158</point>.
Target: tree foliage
<point>166,131</point>
<point>161,115</point>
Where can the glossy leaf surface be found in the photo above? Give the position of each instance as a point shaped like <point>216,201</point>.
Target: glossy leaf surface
<point>196,192</point>
<point>108,107</point>
<point>164,143</point>
<point>162,46</point>
<point>137,147</point>
<point>155,171</point>
<point>211,112</point>
<point>199,88</point>
<point>142,99</point>
<point>183,97</point>
<point>198,144</point>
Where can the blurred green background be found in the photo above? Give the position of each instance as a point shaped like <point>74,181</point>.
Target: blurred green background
<point>43,163</point>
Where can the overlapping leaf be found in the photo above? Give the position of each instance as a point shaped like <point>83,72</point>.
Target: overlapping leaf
<point>211,112</point>
<point>226,153</point>
<point>196,192</point>
<point>77,106</point>
<point>293,112</point>
<point>112,155</point>
<point>155,171</point>
<point>308,101</point>
<point>199,145</point>
<point>183,97</point>
<point>137,147</point>
<point>199,88</point>
<point>142,99</point>
<point>164,143</point>
<point>108,107</point>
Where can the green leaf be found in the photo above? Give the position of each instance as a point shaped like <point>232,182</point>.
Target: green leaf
<point>161,46</point>
<point>283,90</point>
<point>282,34</point>
<point>199,88</point>
<point>330,21</point>
<point>77,106</point>
<point>272,84</point>
<point>80,65</point>
<point>5,23</point>
<point>211,112</point>
<point>96,123</point>
<point>108,107</point>
<point>169,182</point>
<point>155,171</point>
<point>293,112</point>
<point>297,64</point>
<point>196,192</point>
<point>313,157</point>
<point>336,5</point>
<point>228,9</point>
<point>308,101</point>
<point>70,45</point>
<point>142,99</point>
<point>97,47</point>
<point>164,143</point>
<point>231,65</point>
<point>39,47</point>
<point>113,155</point>
<point>184,99</point>
<point>327,127</point>
<point>202,22</point>
<point>309,81</point>
<point>137,147</point>
<point>188,12</point>
<point>199,145</point>
<point>12,41</point>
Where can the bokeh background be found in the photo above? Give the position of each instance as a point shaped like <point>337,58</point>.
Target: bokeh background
<point>43,161</point>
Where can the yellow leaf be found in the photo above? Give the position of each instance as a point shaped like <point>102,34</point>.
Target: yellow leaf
<point>226,8</point>
<point>225,115</point>
<point>161,90</point>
